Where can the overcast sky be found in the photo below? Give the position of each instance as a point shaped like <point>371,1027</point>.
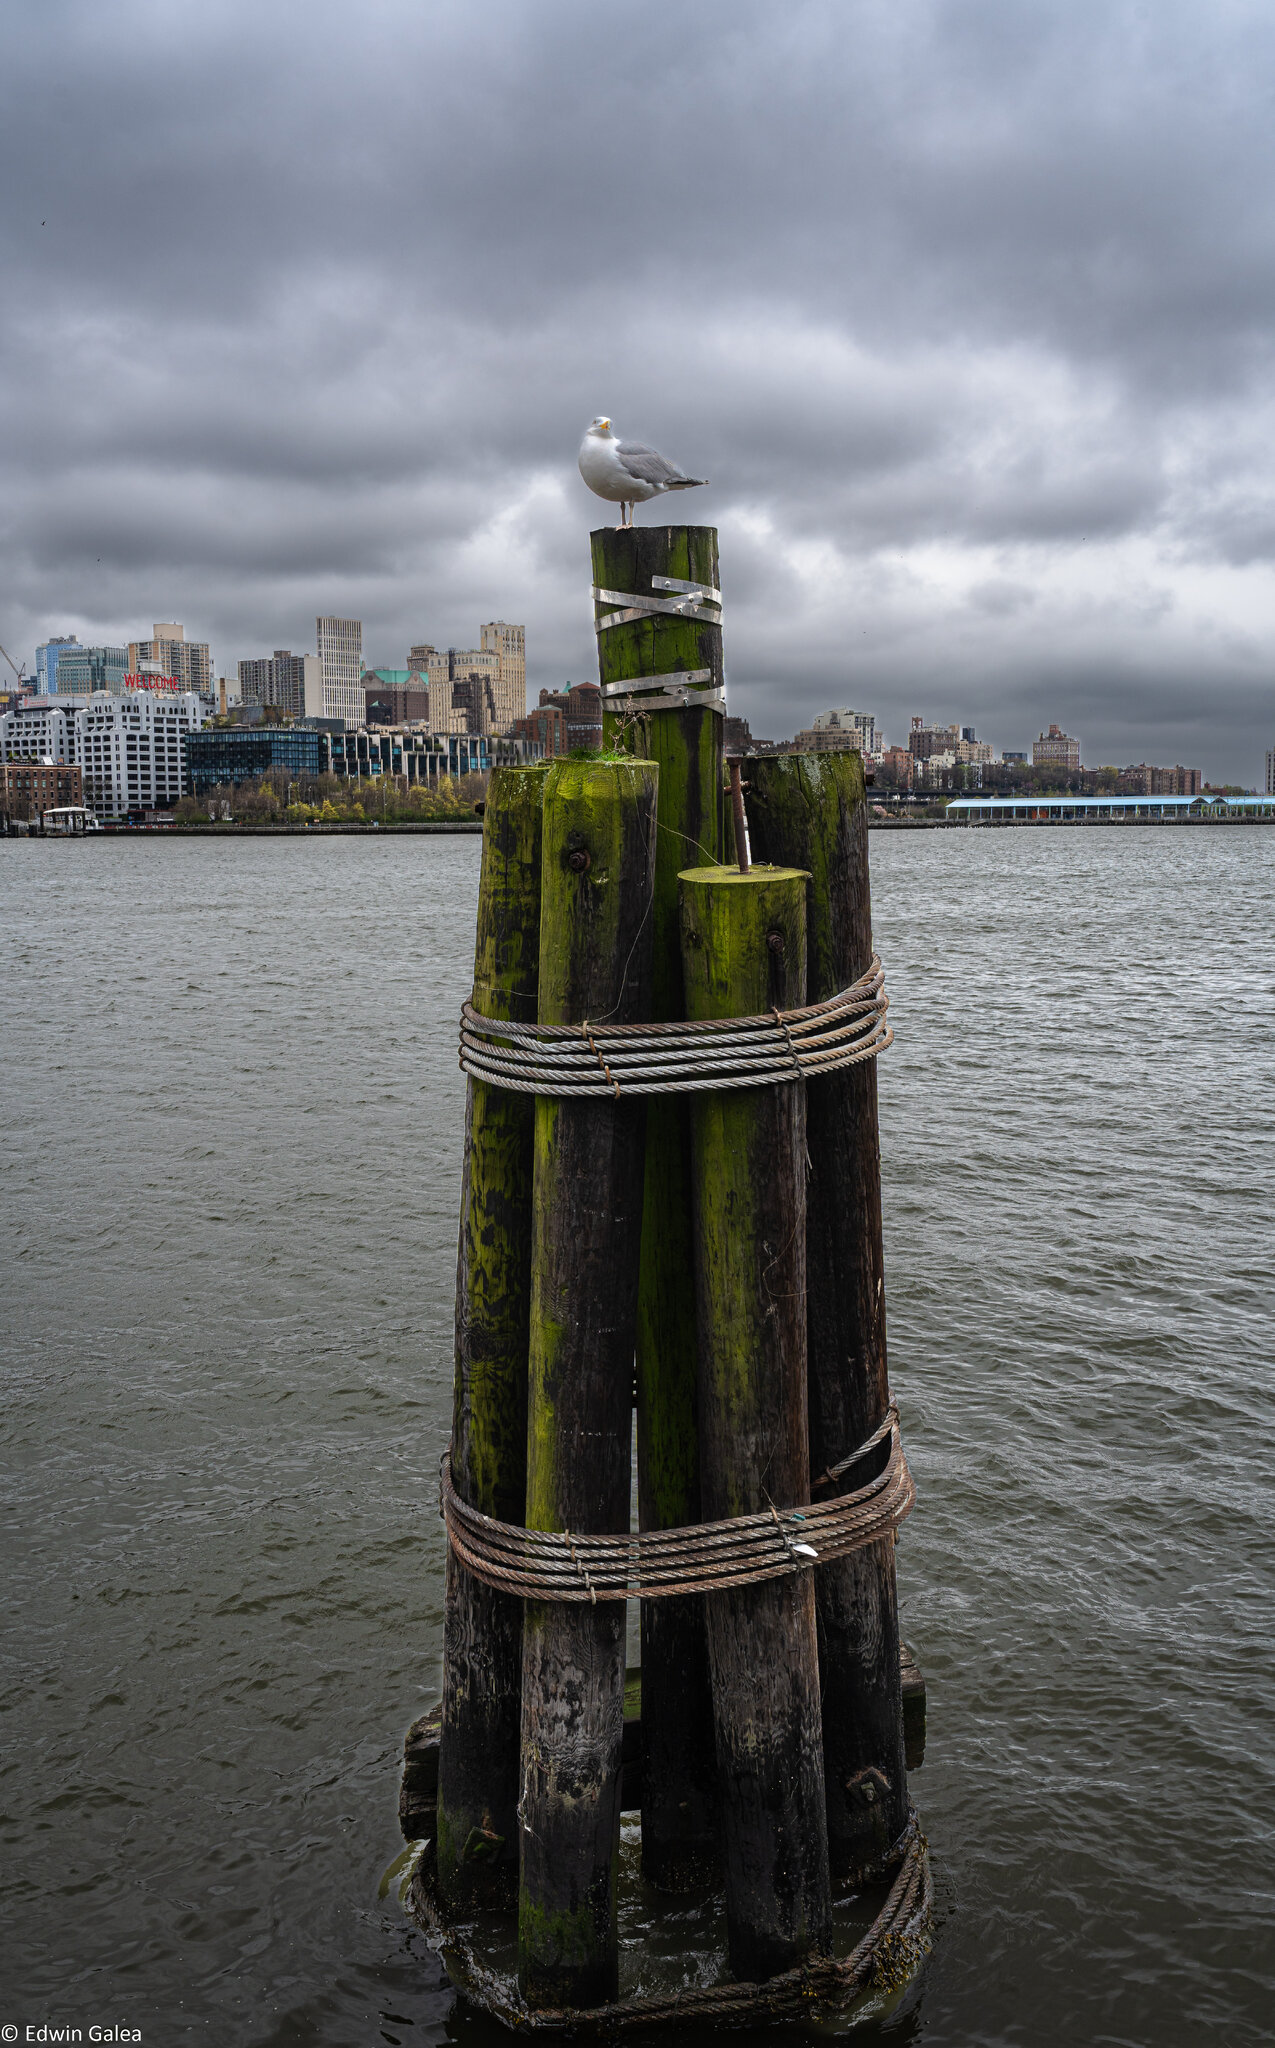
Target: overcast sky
<point>966,309</point>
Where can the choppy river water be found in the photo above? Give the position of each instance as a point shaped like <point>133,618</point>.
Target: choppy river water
<point>231,1140</point>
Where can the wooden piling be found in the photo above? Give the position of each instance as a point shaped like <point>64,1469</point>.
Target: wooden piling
<point>679,1827</point>
<point>810,810</point>
<point>482,1634</point>
<point>595,962</point>
<point>743,952</point>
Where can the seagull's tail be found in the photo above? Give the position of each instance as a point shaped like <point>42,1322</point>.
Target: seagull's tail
<point>686,483</point>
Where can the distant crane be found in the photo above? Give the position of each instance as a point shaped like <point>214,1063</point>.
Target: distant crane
<point>20,673</point>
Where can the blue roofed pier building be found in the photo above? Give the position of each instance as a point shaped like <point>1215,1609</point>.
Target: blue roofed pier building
<point>1211,807</point>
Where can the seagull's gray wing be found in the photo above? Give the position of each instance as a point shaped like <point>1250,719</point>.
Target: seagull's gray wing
<point>646,467</point>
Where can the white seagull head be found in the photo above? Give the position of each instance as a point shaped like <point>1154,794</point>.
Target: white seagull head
<point>600,428</point>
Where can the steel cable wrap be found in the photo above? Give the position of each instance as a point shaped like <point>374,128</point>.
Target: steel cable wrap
<point>889,1953</point>
<point>706,1557</point>
<point>670,1059</point>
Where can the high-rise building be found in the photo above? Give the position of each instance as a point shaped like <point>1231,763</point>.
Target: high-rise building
<point>81,670</point>
<point>1270,771</point>
<point>445,714</point>
<point>288,680</point>
<point>340,645</point>
<point>168,652</point>
<point>925,739</point>
<point>844,728</point>
<point>475,679</point>
<point>430,662</point>
<point>1056,749</point>
<point>509,644</point>
<point>937,742</point>
<point>46,662</point>
<point>491,679</point>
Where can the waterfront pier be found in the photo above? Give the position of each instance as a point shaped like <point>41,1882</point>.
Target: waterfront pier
<point>672,1205</point>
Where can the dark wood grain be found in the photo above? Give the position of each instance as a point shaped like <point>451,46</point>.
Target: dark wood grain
<point>595,960</point>
<point>743,952</point>
<point>809,810</point>
<point>679,1822</point>
<point>482,1629</point>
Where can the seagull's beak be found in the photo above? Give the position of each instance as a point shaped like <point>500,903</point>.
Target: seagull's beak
<point>605,425</point>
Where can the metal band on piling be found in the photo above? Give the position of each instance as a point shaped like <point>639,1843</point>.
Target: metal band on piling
<point>671,692</point>
<point>677,688</point>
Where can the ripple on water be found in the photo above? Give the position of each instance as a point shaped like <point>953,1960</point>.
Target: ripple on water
<point>229,1206</point>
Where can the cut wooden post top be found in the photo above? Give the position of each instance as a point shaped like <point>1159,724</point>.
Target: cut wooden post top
<point>758,873</point>
<point>743,939</point>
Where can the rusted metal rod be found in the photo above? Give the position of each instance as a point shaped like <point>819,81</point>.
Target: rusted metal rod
<point>741,823</point>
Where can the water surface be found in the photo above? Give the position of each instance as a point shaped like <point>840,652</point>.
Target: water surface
<point>233,1116</point>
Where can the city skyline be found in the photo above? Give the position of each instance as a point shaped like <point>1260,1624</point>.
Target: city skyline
<point>979,355</point>
<point>290,696</point>
<point>1029,713</point>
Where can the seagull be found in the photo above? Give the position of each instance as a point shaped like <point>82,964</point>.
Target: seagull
<point>626,472</point>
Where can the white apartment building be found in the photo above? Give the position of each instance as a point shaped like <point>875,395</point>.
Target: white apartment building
<point>130,748</point>
<point>858,727</point>
<point>40,729</point>
<point>341,694</point>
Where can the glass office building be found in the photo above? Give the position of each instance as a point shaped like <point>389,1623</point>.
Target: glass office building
<point>229,755</point>
<point>46,662</point>
<point>81,670</point>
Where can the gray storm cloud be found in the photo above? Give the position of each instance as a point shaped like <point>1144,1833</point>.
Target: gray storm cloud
<point>966,309</point>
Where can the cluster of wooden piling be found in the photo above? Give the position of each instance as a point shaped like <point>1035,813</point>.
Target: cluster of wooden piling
<point>714,1258</point>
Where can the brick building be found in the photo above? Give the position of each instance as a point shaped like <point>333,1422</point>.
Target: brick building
<point>1056,749</point>
<point>29,788</point>
<point>895,768</point>
<point>581,705</point>
<point>546,726</point>
<point>396,696</point>
<point>1147,781</point>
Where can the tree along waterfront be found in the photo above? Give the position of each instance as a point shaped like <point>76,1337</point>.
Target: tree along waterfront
<point>279,799</point>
